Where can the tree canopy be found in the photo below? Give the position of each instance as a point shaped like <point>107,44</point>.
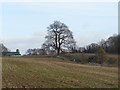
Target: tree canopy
<point>59,38</point>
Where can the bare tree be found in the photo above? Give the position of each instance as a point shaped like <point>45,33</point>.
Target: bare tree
<point>35,51</point>
<point>59,38</point>
<point>3,48</point>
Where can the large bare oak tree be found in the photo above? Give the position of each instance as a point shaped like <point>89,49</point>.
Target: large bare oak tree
<point>59,38</point>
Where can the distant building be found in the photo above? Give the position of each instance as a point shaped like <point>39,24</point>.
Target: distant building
<point>11,53</point>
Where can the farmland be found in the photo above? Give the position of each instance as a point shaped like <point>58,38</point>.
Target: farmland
<point>50,72</point>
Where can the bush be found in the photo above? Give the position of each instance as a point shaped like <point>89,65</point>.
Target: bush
<point>61,58</point>
<point>84,58</point>
<point>92,59</point>
<point>101,55</point>
<point>112,61</point>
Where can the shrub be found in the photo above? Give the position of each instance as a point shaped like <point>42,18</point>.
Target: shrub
<point>101,55</point>
<point>112,61</point>
<point>92,59</point>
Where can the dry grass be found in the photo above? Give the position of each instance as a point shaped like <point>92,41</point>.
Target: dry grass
<point>48,72</point>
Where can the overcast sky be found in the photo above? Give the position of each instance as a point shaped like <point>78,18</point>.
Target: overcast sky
<point>24,24</point>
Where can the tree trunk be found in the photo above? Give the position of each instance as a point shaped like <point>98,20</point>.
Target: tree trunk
<point>58,51</point>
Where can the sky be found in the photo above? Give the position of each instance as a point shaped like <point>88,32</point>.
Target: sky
<point>24,25</point>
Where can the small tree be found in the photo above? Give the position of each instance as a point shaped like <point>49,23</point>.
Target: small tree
<point>17,50</point>
<point>101,55</point>
<point>3,48</point>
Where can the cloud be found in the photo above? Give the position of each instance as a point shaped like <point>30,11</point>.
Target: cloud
<point>23,43</point>
<point>91,37</point>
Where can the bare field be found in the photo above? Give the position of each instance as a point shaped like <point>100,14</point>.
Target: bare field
<point>48,72</point>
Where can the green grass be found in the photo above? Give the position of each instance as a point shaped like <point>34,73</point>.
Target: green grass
<point>49,72</point>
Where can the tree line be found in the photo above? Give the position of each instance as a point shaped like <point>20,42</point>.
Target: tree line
<point>111,45</point>
<point>60,40</point>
